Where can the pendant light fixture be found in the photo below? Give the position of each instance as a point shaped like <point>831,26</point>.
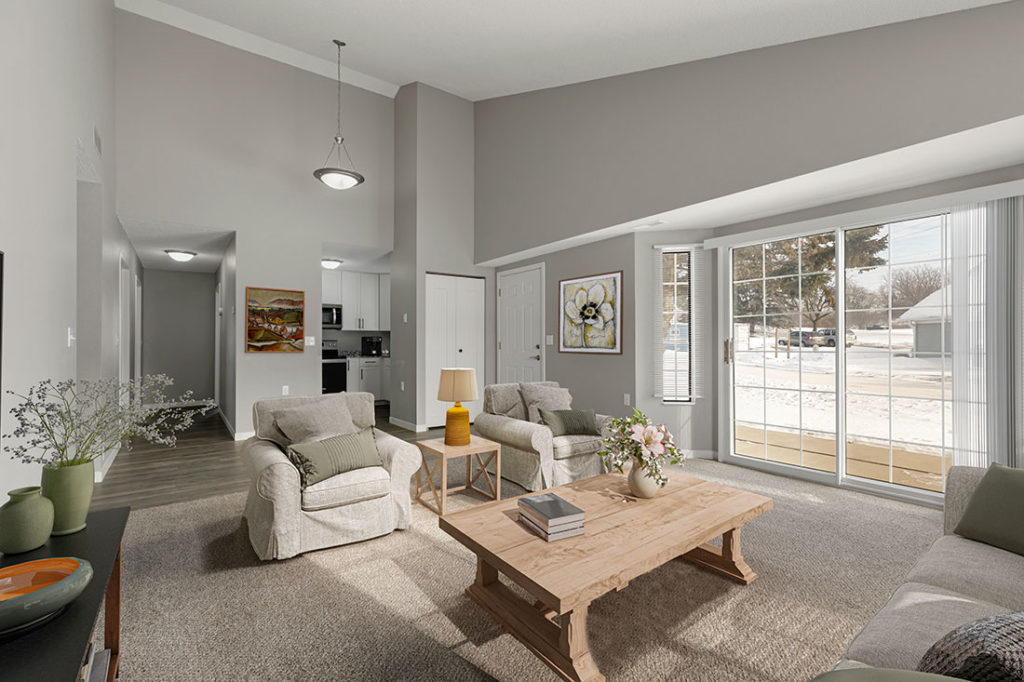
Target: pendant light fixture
<point>338,177</point>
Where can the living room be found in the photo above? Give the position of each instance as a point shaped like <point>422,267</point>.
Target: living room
<point>788,235</point>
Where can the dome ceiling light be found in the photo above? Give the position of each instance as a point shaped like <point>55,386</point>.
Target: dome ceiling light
<point>179,255</point>
<point>339,176</point>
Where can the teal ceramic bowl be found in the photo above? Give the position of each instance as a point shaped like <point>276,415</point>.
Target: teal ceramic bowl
<point>34,592</point>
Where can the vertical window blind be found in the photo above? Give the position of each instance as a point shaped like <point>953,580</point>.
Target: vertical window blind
<point>678,323</point>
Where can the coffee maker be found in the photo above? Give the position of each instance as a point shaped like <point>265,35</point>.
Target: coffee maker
<point>372,346</point>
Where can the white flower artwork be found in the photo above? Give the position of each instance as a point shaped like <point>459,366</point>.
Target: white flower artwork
<point>591,312</point>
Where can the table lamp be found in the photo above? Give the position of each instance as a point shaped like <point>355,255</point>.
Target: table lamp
<point>457,384</point>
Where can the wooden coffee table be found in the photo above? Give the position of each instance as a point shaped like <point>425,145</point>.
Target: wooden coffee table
<point>624,537</point>
<point>477,447</point>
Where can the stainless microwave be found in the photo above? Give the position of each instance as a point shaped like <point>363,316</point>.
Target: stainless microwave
<point>331,317</point>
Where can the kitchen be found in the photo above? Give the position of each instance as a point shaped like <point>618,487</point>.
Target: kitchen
<point>356,327</point>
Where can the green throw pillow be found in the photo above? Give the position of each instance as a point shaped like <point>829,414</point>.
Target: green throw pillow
<point>332,456</point>
<point>570,422</point>
<point>995,512</point>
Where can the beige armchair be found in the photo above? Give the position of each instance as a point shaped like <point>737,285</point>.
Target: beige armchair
<point>530,455</point>
<point>284,520</point>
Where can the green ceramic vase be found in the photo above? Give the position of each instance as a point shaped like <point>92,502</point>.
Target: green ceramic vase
<point>70,490</point>
<point>25,521</point>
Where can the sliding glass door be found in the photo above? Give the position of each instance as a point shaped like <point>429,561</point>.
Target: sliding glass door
<point>838,353</point>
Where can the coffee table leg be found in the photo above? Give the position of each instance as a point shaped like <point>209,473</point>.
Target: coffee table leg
<point>112,618</point>
<point>727,559</point>
<point>561,642</point>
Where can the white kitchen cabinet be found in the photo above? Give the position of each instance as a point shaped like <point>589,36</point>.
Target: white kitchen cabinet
<point>370,376</point>
<point>369,300</point>
<point>454,338</point>
<point>352,375</point>
<point>351,318</point>
<point>360,301</point>
<point>385,379</point>
<point>330,287</point>
<point>385,303</point>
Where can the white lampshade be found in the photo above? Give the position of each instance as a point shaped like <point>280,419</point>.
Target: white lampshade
<point>457,384</point>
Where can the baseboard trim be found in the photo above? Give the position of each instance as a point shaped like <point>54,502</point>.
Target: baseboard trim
<point>408,426</point>
<point>703,454</point>
<point>102,465</point>
<point>244,435</point>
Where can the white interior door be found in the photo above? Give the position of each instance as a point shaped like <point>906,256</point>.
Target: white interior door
<point>521,325</point>
<point>124,341</point>
<point>454,338</point>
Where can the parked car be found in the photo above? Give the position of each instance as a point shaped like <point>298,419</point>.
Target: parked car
<point>830,337</point>
<point>804,337</point>
<point>876,327</point>
<point>678,337</point>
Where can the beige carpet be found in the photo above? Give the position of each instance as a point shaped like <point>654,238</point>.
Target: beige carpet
<point>199,606</point>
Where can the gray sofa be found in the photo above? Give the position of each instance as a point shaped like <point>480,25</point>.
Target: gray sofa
<point>956,581</point>
<point>530,455</point>
<point>284,520</point>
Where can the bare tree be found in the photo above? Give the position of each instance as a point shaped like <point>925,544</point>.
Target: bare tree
<point>912,285</point>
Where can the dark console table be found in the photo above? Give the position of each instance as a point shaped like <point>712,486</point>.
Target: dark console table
<point>56,650</point>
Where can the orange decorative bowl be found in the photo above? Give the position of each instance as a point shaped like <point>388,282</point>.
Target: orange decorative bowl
<point>34,592</point>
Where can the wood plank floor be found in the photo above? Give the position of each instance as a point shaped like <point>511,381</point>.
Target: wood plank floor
<point>204,463</point>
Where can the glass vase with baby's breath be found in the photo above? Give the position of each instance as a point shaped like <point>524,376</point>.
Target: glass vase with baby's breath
<point>66,425</point>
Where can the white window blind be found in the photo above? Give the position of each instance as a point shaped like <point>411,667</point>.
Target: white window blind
<point>678,322</point>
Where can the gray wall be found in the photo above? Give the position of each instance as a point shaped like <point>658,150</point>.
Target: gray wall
<point>57,87</point>
<point>566,161</point>
<point>226,277</point>
<point>178,319</point>
<point>237,137</point>
<point>434,229</point>
<point>596,381</point>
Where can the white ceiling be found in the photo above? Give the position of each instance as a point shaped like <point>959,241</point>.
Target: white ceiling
<point>151,238</point>
<point>479,49</point>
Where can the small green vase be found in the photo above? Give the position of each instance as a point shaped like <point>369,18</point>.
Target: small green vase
<point>25,521</point>
<point>70,490</point>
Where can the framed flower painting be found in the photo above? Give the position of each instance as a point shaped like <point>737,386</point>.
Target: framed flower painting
<point>590,319</point>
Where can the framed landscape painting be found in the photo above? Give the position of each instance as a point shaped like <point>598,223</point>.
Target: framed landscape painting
<point>275,320</point>
<point>590,314</point>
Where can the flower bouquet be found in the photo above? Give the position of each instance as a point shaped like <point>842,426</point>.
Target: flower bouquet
<point>648,446</point>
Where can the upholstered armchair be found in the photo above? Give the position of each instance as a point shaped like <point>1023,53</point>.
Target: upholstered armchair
<point>284,520</point>
<point>530,455</point>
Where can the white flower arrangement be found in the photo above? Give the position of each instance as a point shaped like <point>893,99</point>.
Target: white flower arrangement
<point>64,423</point>
<point>649,446</point>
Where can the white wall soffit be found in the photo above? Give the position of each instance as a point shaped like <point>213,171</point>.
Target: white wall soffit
<point>990,147</point>
<point>222,33</point>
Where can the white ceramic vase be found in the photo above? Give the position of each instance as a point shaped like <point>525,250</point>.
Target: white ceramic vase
<point>642,485</point>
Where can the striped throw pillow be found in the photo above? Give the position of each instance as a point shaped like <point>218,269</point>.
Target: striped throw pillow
<point>322,459</point>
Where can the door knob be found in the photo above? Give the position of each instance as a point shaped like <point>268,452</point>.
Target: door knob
<point>460,350</point>
<point>535,357</point>
<point>537,346</point>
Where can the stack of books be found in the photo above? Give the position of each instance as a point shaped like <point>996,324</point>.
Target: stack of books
<point>551,517</point>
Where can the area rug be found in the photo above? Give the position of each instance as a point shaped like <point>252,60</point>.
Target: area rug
<point>198,605</point>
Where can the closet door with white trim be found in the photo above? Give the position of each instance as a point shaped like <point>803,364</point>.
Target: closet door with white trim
<point>454,330</point>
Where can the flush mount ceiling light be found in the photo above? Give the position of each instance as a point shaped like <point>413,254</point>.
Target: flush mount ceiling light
<point>179,255</point>
<point>338,177</point>
<point>331,263</point>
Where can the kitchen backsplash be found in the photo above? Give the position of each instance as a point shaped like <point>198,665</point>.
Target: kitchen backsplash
<point>352,341</point>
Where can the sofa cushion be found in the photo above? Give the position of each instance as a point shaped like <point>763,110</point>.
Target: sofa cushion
<point>315,421</point>
<point>335,455</point>
<point>360,406</point>
<point>504,400</point>
<point>990,649</point>
<point>995,512</point>
<point>570,422</point>
<point>537,396</point>
<point>353,486</point>
<point>563,447</point>
<point>973,569</point>
<point>915,617</point>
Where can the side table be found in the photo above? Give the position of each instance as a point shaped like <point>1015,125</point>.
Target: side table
<point>477,447</point>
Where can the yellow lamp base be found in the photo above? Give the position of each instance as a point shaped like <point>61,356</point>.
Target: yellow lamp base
<point>456,426</point>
